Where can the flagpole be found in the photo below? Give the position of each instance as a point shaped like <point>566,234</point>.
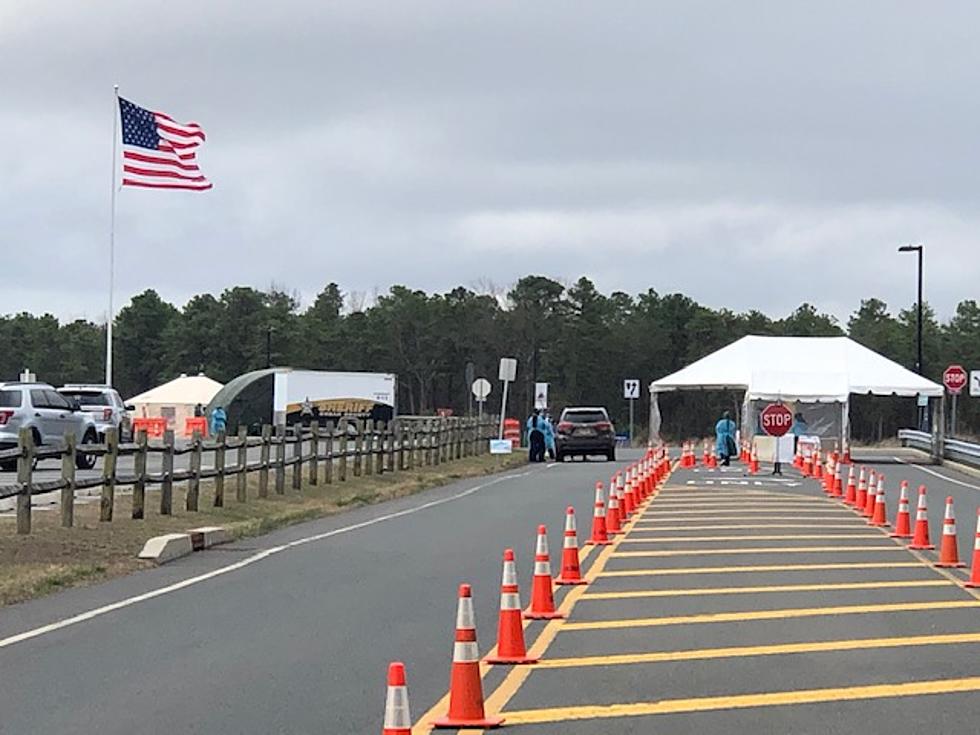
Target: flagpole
<point>112,236</point>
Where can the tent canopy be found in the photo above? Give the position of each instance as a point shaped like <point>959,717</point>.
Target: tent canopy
<point>808,369</point>
<point>185,390</point>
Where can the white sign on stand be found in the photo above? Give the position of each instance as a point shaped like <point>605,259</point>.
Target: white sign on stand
<point>975,382</point>
<point>507,374</point>
<point>501,446</point>
<point>631,389</point>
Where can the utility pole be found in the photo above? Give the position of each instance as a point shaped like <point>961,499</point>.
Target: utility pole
<point>919,366</point>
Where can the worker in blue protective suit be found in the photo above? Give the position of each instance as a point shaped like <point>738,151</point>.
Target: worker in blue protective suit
<point>535,437</point>
<point>219,420</point>
<point>549,436</point>
<point>725,446</point>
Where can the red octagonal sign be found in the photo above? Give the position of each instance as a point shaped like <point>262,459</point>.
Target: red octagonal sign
<point>954,378</point>
<point>776,419</point>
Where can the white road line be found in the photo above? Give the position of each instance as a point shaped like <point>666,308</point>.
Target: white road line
<point>248,561</point>
<point>937,474</point>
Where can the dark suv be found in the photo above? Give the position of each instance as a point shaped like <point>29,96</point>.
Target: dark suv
<point>585,431</point>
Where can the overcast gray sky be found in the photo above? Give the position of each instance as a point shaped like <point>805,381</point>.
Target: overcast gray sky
<point>751,155</point>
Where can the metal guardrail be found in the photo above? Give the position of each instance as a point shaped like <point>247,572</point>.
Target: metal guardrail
<point>953,449</point>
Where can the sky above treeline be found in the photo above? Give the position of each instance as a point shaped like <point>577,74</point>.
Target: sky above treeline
<point>752,155</point>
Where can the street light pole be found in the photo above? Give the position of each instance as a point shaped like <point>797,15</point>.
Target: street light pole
<point>919,367</point>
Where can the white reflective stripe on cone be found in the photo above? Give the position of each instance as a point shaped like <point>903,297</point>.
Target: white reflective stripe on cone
<point>570,542</point>
<point>510,573</point>
<point>542,568</point>
<point>465,652</point>
<point>510,601</point>
<point>464,615</point>
<point>921,515</point>
<point>600,511</point>
<point>397,714</point>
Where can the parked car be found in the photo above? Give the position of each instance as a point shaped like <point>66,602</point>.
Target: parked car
<point>105,406</point>
<point>583,431</point>
<point>48,414</point>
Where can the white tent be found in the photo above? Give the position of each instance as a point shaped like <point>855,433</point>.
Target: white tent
<point>175,400</point>
<point>799,369</point>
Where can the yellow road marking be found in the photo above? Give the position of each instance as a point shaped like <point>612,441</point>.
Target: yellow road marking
<point>760,568</point>
<point>636,594</point>
<point>854,644</point>
<point>424,723</point>
<point>753,502</point>
<point>786,537</point>
<point>756,550</point>
<point>786,613</point>
<point>730,526</point>
<point>743,701</point>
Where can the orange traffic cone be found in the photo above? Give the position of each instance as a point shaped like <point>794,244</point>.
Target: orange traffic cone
<point>837,489</point>
<point>851,492</point>
<point>975,566</point>
<point>599,536</point>
<point>817,466</point>
<point>465,686</point>
<point>613,525</point>
<point>921,539</point>
<point>398,718</point>
<point>861,496</point>
<point>903,521</point>
<point>510,629</point>
<point>828,476</point>
<point>629,499</point>
<point>879,517</point>
<point>542,595</point>
<point>706,455</point>
<point>571,572</point>
<point>949,555</point>
<point>869,507</point>
<point>807,468</point>
<point>753,461</point>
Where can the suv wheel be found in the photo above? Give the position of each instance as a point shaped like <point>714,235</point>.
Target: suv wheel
<point>86,461</point>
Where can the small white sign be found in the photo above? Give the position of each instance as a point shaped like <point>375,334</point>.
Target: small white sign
<point>631,389</point>
<point>975,382</point>
<point>501,446</point>
<point>481,388</point>
<point>921,401</point>
<point>508,369</point>
<point>541,396</point>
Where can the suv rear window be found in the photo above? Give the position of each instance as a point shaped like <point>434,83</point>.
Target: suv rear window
<point>88,398</point>
<point>10,399</point>
<point>584,417</point>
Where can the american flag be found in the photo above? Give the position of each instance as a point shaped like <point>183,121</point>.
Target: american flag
<point>158,152</point>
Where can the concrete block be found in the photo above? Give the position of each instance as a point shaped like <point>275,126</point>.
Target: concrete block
<point>208,536</point>
<point>168,547</point>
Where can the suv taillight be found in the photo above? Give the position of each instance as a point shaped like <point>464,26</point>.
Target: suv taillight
<point>603,426</point>
<point>5,416</point>
<point>564,427</point>
<point>106,414</point>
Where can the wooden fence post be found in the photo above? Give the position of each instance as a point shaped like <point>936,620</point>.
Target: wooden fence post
<point>194,481</point>
<point>264,452</point>
<point>167,487</point>
<point>410,432</point>
<point>219,466</point>
<point>240,480</point>
<point>398,445</point>
<point>358,446</point>
<point>436,442</point>
<point>25,466</point>
<point>139,469</point>
<point>369,447</point>
<point>297,456</point>
<point>109,461</point>
<point>68,476</point>
<point>328,467</point>
<point>315,446</point>
<point>390,434</point>
<point>280,459</point>
<point>342,466</point>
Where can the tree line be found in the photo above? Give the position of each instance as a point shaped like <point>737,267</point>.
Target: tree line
<point>579,340</point>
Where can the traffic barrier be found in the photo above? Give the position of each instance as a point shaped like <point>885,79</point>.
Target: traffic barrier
<point>949,555</point>
<point>613,524</point>
<point>153,427</point>
<point>599,537</point>
<point>511,648</point>
<point>398,716</point>
<point>974,580</point>
<point>903,521</point>
<point>512,431</point>
<point>869,507</point>
<point>879,516</point>
<point>195,423</point>
<point>920,541</point>
<point>542,595</point>
<point>465,685</point>
<point>571,570</point>
<point>851,492</point>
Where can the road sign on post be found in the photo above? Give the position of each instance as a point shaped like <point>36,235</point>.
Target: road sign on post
<point>481,389</point>
<point>631,391</point>
<point>776,420</point>
<point>955,380</point>
<point>507,374</point>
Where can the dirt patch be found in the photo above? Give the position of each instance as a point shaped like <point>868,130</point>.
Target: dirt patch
<point>52,558</point>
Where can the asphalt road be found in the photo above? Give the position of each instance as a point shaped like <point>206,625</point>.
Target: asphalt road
<point>297,640</point>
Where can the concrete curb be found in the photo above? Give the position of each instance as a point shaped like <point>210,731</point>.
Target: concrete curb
<point>168,547</point>
<point>207,536</point>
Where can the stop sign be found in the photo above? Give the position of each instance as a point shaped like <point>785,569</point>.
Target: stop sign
<point>954,378</point>
<point>776,419</point>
